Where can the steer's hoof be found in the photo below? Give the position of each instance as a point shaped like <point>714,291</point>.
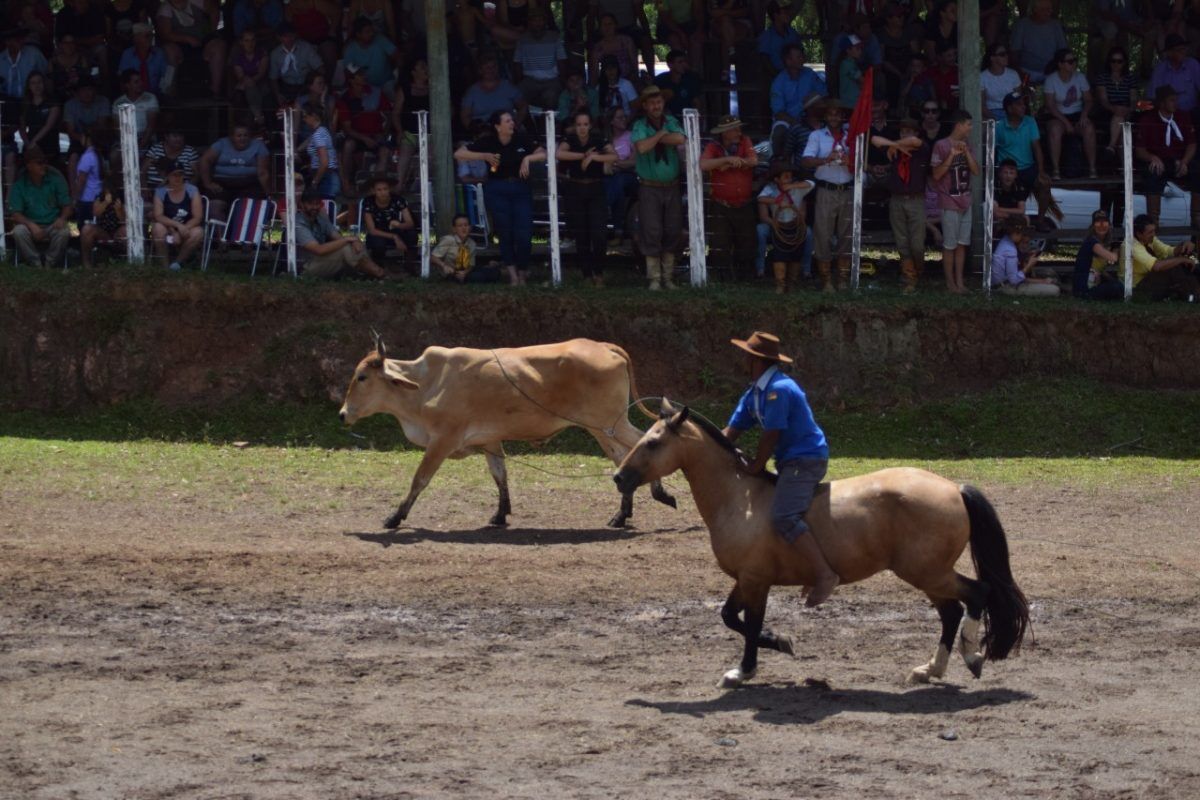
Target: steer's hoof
<point>393,522</point>
<point>734,678</point>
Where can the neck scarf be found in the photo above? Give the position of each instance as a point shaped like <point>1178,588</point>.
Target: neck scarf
<point>1172,126</point>
<point>660,149</point>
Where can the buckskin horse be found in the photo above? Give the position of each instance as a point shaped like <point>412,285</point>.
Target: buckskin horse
<point>910,521</point>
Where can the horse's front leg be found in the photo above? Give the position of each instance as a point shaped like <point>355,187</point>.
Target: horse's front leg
<point>731,616</point>
<point>754,604</point>
<point>625,513</point>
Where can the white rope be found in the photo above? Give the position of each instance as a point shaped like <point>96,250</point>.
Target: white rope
<point>860,161</point>
<point>1127,152</point>
<point>552,190</point>
<point>989,199</point>
<point>131,164</point>
<point>289,188</point>
<point>695,197</point>
<point>426,199</point>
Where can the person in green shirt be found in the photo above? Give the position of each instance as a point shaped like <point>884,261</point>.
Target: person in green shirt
<point>39,205</point>
<point>655,136</point>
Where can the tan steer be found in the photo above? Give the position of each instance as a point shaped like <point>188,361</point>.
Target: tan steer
<point>456,401</point>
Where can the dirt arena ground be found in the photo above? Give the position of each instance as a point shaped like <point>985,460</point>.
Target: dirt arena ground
<point>158,647</point>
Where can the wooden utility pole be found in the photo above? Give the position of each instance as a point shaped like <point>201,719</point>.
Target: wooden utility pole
<point>971,99</point>
<point>441,115</point>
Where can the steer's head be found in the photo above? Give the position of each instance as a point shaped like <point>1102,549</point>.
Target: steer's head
<point>373,383</point>
<point>657,454</point>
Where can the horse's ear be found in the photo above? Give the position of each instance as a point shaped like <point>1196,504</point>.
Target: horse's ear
<point>678,419</point>
<point>380,349</point>
<point>667,410</point>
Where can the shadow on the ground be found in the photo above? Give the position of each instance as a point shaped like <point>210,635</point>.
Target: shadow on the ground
<point>507,536</point>
<point>791,704</point>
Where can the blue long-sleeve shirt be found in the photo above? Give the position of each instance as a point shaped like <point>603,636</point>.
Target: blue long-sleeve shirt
<point>787,94</point>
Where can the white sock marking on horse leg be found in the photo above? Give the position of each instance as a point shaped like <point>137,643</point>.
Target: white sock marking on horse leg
<point>734,678</point>
<point>936,668</point>
<point>968,646</point>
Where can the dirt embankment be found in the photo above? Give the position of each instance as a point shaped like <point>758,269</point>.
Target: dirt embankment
<point>109,338</point>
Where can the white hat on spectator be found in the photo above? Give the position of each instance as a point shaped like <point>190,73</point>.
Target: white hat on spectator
<point>140,28</point>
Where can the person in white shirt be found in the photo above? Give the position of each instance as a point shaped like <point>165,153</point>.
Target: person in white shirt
<point>828,153</point>
<point>998,80</point>
<point>1069,103</point>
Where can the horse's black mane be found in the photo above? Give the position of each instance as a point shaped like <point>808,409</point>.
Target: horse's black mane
<point>718,436</point>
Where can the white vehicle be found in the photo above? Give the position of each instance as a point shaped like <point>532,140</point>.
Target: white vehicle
<point>1077,207</point>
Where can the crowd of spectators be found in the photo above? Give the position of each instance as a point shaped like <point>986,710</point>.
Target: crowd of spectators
<point>356,74</point>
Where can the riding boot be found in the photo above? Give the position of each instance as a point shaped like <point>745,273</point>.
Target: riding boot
<point>780,270</point>
<point>794,271</point>
<point>843,273</point>
<point>908,275</point>
<point>825,580</point>
<point>653,272</point>
<point>823,269</point>
<point>668,269</point>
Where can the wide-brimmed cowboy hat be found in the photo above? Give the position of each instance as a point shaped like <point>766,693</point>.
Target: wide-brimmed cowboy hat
<point>726,123</point>
<point>763,345</point>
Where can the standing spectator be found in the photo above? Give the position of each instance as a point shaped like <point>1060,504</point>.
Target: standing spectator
<point>454,255</point>
<point>827,153</point>
<point>490,94</point>
<point>997,81</point>
<point>850,74</point>
<point>953,165</point>
<point>621,180</point>
<point>374,55</point>
<point>813,120</point>
<point>731,160</point>
<point>188,29</point>
<point>861,28</point>
<point>1161,272</point>
<point>1011,194</point>
<point>630,20</point>
<point>39,205</point>
<point>148,61</point>
<point>1011,269</point>
<point>68,66</point>
<point>681,26</point>
<point>234,166</point>
<point>119,18</point>
<point>83,21</point>
<point>943,77</point>
<point>382,14</point>
<point>910,156</point>
<point>292,61</point>
<point>1179,71</point>
<point>1092,278</point>
<point>614,91</point>
<point>171,146</point>
<point>1035,39</point>
<point>1018,140</point>
<point>778,35</point>
<point>781,208</point>
<point>388,221</point>
<point>326,253</point>
<point>613,44</point>
<point>363,114</point>
<point>1069,104</point>
<point>681,87</point>
<point>317,22</point>
<point>178,216</point>
<point>144,103</point>
<point>577,97</point>
<point>587,154</point>
<point>932,127</point>
<point>108,226</point>
<point>656,136</point>
<point>16,63</point>
<point>898,49</point>
<point>411,96</point>
<point>1165,146</point>
<point>249,66</point>
<point>729,21</point>
<point>1117,95</point>
<point>917,87</point>
<point>324,174</point>
<point>263,17</point>
<point>41,116</point>
<point>509,153</point>
<point>538,61</point>
<point>81,113</point>
<point>789,90</point>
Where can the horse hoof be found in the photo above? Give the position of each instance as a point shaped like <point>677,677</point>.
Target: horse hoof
<point>498,522</point>
<point>734,678</point>
<point>617,522</point>
<point>975,664</point>
<point>784,644</point>
<point>393,522</point>
<point>669,500</point>
<point>919,674</point>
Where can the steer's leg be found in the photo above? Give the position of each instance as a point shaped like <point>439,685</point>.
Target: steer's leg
<point>500,475</point>
<point>617,450</point>
<point>435,454</point>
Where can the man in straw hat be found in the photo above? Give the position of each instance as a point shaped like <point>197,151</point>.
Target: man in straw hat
<point>828,153</point>
<point>655,136</point>
<point>731,216</point>
<point>777,404</point>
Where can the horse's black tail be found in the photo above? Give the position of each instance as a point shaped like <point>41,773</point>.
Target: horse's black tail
<point>1007,610</point>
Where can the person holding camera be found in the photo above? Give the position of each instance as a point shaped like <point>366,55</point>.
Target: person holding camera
<point>1012,271</point>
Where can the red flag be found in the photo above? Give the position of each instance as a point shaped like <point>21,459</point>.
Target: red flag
<point>860,120</point>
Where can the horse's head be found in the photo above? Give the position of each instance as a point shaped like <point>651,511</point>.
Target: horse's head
<point>657,454</point>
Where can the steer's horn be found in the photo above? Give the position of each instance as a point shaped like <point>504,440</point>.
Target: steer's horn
<point>380,350</point>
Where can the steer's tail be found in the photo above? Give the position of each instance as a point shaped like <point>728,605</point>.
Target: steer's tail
<point>1007,610</point>
<point>637,398</point>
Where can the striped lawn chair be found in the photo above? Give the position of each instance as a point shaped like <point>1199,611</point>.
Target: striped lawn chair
<point>247,223</point>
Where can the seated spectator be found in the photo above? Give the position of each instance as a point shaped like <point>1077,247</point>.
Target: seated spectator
<point>781,206</point>
<point>234,166</point>
<point>729,22</point>
<point>39,206</point>
<point>629,17</point>
<point>375,55</point>
<point>454,255</point>
<point>178,217</point>
<point>941,29</point>
<point>387,221</point>
<point>778,35</point>
<point>1165,143</point>
<point>85,180</point>
<point>490,94</point>
<point>68,66</point>
<point>943,77</point>
<point>1093,277</point>
<point>1160,271</point>
<point>263,17</point>
<point>575,98</point>
<point>1179,71</point>
<point>108,227</point>
<point>318,93</point>
<point>17,61</point>
<point>1119,21</point>
<point>730,159</point>
<point>172,146</point>
<point>249,78</point>
<point>142,56</point>
<point>898,49</point>
<point>322,249</point>
<point>1117,95</point>
<point>1069,104</point>
<point>1011,193</point>
<point>36,19</point>
<point>318,23</point>
<point>363,114</point>
<point>1035,39</point>
<point>292,62</point>
<point>119,18</point>
<point>789,91</point>
<point>188,31</point>
<point>614,91</point>
<point>906,181</point>
<point>813,120</point>
<point>382,15</point>
<point>323,174</point>
<point>681,26</point>
<point>85,111</point>
<point>613,44</point>
<point>537,62</point>
<point>41,117</point>
<point>82,21</point>
<point>681,87</point>
<point>998,81</point>
<point>1018,140</point>
<point>850,74</point>
<point>144,103</point>
<point>1011,270</point>
<point>917,87</point>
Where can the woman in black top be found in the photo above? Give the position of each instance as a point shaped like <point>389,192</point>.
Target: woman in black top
<point>586,154</point>
<point>507,194</point>
<point>178,215</point>
<point>41,116</point>
<point>410,97</point>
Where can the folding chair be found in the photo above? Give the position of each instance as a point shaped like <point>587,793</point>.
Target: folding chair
<point>331,210</point>
<point>248,222</point>
<point>479,219</point>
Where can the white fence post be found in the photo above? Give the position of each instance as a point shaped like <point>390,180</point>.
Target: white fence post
<point>989,200</point>
<point>552,200</point>
<point>695,197</point>
<point>860,160</point>
<point>426,197</point>
<point>289,188</point>
<point>131,164</point>
<point>1127,152</point>
<point>3,243</point>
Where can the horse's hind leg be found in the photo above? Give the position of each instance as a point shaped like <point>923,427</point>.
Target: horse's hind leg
<point>730,615</point>
<point>753,601</point>
<point>951,612</point>
<point>974,593</point>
